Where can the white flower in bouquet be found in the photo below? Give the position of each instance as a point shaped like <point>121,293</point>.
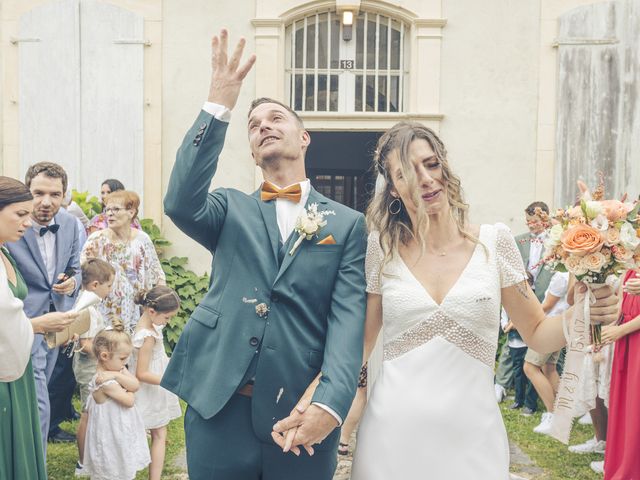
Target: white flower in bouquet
<point>628,237</point>
<point>555,233</point>
<point>593,209</point>
<point>600,223</point>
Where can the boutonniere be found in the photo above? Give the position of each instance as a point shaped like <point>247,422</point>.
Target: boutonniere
<point>309,223</point>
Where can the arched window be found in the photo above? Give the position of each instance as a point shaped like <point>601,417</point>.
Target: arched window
<point>330,69</point>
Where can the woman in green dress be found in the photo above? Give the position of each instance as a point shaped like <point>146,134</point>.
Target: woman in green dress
<point>20,441</point>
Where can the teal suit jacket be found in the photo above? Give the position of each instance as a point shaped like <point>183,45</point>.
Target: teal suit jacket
<point>523,242</point>
<point>316,298</point>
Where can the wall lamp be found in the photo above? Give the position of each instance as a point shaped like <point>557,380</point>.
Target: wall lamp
<point>347,25</point>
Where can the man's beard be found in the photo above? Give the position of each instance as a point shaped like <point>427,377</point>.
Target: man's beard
<point>42,218</point>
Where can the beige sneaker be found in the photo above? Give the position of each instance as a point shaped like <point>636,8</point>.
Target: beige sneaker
<point>590,446</point>
<point>597,467</point>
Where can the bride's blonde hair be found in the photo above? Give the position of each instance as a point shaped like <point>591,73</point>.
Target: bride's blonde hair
<point>396,229</point>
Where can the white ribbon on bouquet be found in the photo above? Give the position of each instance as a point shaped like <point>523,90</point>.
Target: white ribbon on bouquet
<point>577,332</point>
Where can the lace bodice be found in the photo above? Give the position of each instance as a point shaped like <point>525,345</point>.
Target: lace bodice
<point>469,315</point>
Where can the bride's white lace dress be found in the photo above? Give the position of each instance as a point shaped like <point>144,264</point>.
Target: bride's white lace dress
<point>432,414</point>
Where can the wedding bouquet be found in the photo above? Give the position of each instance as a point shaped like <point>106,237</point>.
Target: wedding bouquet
<point>594,240</point>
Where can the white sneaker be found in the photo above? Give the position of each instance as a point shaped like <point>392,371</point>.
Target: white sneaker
<point>501,393</point>
<point>545,424</point>
<point>585,419</point>
<point>590,446</point>
<point>80,470</point>
<point>597,467</point>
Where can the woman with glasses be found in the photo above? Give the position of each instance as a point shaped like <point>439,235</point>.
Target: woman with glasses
<point>99,222</point>
<point>131,253</point>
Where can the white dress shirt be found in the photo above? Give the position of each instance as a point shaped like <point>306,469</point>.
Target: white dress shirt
<point>287,212</point>
<point>558,287</point>
<point>47,247</point>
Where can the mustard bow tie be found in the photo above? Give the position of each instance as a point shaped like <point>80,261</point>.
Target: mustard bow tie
<point>269,192</point>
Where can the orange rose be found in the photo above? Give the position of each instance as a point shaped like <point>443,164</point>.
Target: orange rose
<point>581,239</point>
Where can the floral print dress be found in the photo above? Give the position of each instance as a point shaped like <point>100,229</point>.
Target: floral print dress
<point>137,268</point>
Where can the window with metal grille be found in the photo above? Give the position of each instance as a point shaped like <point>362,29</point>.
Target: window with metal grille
<point>329,74</point>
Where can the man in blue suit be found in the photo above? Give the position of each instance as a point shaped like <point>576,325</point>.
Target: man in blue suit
<point>47,249</point>
<point>286,306</point>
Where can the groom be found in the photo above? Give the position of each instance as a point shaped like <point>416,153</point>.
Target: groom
<point>280,311</point>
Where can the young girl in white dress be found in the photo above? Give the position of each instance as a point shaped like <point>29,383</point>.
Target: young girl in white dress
<point>149,361</point>
<point>116,442</point>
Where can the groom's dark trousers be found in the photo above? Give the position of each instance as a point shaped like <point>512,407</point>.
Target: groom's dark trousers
<point>225,447</point>
<point>272,315</point>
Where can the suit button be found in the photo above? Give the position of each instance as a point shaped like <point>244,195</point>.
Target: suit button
<point>275,297</point>
<point>203,126</point>
<point>254,341</point>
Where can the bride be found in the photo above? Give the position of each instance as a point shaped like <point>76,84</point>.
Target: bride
<point>436,284</point>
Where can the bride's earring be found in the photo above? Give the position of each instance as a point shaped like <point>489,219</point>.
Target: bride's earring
<point>394,208</point>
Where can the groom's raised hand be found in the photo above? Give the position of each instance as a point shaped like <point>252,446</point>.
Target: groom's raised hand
<point>226,74</point>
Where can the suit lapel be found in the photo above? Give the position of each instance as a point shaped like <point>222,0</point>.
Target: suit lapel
<point>61,264</point>
<point>314,197</point>
<point>268,211</point>
<point>526,252</point>
<point>32,243</point>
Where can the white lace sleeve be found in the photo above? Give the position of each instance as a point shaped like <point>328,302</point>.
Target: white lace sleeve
<point>508,258</point>
<point>372,263</point>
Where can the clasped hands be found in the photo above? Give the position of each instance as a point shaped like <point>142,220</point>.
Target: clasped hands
<point>305,426</point>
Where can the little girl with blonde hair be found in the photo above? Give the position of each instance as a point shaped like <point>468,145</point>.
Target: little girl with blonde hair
<point>116,443</point>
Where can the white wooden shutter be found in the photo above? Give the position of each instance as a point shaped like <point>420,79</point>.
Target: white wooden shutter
<point>598,103</point>
<point>49,85</point>
<point>81,92</point>
<point>112,96</point>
